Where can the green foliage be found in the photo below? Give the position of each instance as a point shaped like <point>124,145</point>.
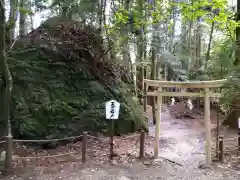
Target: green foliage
<point>221,65</point>
<point>25,11</point>
<point>40,5</point>
<point>231,93</point>
<point>83,9</point>
<point>175,65</point>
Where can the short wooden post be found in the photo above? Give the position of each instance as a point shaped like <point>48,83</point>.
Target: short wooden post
<point>142,137</point>
<point>9,153</point>
<point>158,119</point>
<point>217,136</point>
<point>145,97</point>
<point>207,123</point>
<point>133,126</point>
<point>221,148</point>
<point>84,147</point>
<point>239,142</point>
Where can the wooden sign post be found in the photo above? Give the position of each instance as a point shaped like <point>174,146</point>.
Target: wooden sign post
<point>112,108</point>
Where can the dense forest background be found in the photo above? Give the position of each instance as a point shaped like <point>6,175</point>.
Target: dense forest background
<point>89,51</point>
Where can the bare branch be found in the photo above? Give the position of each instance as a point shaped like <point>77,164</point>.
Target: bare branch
<point>174,46</point>
<point>12,46</point>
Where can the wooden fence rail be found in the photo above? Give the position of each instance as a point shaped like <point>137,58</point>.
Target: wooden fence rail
<point>9,158</point>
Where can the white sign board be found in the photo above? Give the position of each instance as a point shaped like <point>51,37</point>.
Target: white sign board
<point>112,108</point>
<point>239,123</point>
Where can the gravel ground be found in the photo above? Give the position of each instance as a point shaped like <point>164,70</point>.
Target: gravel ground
<point>146,170</point>
<point>155,172</point>
<point>143,171</point>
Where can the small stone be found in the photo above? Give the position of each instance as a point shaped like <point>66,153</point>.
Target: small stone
<point>205,166</point>
<point>158,161</point>
<point>147,163</point>
<point>148,154</point>
<point>114,162</point>
<point>123,178</point>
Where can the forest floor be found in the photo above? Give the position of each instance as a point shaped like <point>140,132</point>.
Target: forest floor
<point>181,154</point>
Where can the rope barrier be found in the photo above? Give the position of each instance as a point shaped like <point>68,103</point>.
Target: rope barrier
<point>230,150</point>
<point>50,156</point>
<point>60,155</point>
<point>203,153</point>
<point>47,140</point>
<point>231,138</point>
<point>83,152</point>
<point>44,157</point>
<point>121,138</point>
<point>67,138</point>
<point>94,137</point>
<point>129,137</point>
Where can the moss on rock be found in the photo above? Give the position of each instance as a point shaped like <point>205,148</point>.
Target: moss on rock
<point>56,90</point>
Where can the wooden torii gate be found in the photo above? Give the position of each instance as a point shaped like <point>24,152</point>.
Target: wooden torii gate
<point>206,93</point>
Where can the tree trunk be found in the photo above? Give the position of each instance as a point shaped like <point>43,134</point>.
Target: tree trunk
<point>154,69</point>
<point>125,52</point>
<point>198,44</point>
<point>174,17</point>
<point>237,50</point>
<point>141,53</point>
<point>6,78</point>
<point>6,75</point>
<point>190,44</point>
<point>153,77</point>
<point>209,46</point>
<point>31,16</point>
<point>101,14</point>
<point>109,40</point>
<point>23,25</point>
<point>198,61</point>
<point>12,21</point>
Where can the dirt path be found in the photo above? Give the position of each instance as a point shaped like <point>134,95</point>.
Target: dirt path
<point>156,171</point>
<point>181,141</point>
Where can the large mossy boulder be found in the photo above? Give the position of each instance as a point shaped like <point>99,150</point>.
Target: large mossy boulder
<point>57,92</point>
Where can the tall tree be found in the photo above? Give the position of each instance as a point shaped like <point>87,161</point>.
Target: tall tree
<point>23,24</point>
<point>153,63</point>
<point>125,32</point>
<point>12,20</point>
<point>237,53</point>
<point>209,45</point>
<point>6,80</point>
